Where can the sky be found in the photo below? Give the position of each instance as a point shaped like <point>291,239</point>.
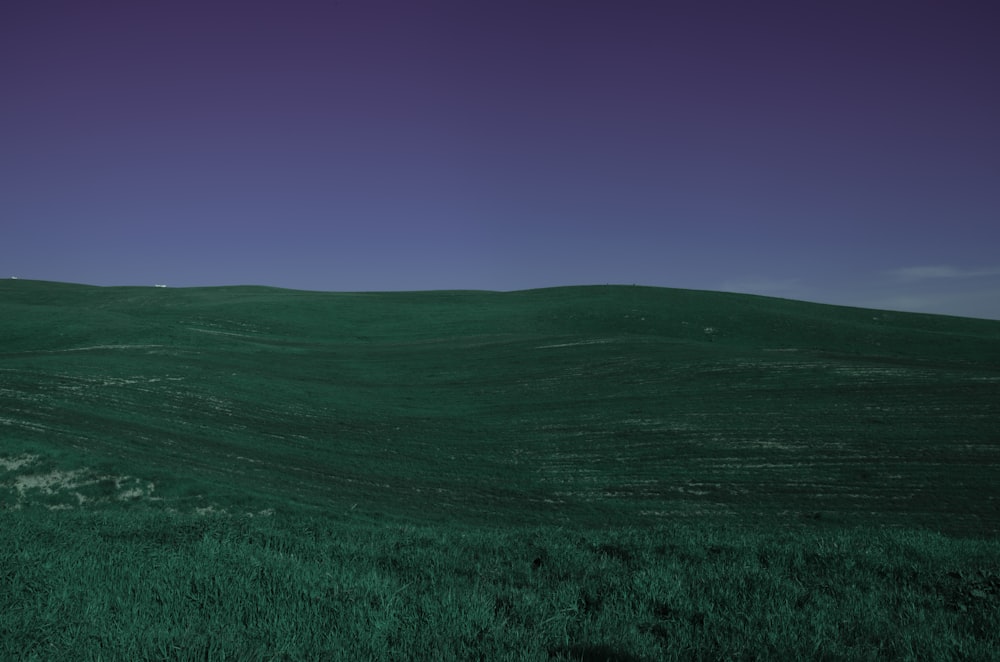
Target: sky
<point>840,151</point>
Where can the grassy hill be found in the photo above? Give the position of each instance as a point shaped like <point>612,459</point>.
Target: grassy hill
<point>651,424</point>
<point>576,406</point>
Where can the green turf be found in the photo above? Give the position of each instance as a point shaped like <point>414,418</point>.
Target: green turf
<point>529,475</point>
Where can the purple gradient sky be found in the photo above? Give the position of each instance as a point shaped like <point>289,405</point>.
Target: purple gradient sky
<point>843,152</point>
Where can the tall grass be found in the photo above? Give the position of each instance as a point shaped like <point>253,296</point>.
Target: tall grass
<point>145,584</point>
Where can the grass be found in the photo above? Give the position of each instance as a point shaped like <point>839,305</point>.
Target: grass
<point>152,585</point>
<point>592,473</point>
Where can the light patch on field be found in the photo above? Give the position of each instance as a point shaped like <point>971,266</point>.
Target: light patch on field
<point>93,347</point>
<point>18,461</point>
<point>27,425</point>
<point>872,372</point>
<point>73,484</point>
<point>686,512</point>
<point>210,510</point>
<point>221,333</point>
<point>773,445</point>
<point>218,404</point>
<point>48,483</point>
<point>213,509</point>
<point>596,341</point>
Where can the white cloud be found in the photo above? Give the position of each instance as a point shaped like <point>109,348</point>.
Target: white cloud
<point>911,274</point>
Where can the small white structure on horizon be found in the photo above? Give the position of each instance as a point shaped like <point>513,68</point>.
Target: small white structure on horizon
<point>159,286</point>
<point>13,277</point>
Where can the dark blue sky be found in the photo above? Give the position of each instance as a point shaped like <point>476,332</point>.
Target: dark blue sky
<point>842,152</point>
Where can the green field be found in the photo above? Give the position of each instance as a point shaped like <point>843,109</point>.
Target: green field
<point>594,473</point>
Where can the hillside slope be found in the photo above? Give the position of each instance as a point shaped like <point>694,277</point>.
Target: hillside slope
<point>580,406</point>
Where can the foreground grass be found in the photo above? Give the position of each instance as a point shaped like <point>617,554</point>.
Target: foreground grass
<point>138,583</point>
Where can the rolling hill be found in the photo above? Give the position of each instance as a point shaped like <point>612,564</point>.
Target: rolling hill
<point>581,407</point>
